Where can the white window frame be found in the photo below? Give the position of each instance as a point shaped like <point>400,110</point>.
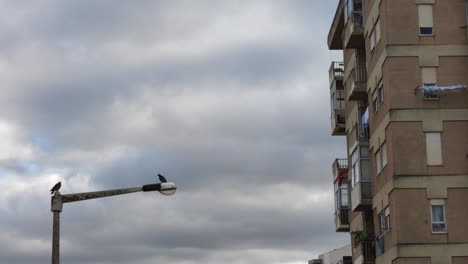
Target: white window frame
<point>381,223</point>
<point>375,35</point>
<point>378,32</point>
<point>375,104</point>
<point>444,222</point>
<point>378,161</point>
<point>387,224</point>
<point>380,94</point>
<point>355,167</point>
<point>383,152</point>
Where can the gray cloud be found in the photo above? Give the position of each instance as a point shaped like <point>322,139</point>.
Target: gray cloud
<point>229,99</point>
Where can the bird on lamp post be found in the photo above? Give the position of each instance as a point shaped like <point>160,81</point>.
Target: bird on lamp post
<point>162,178</point>
<point>56,187</point>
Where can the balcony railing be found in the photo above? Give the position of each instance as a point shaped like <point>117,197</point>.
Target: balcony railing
<point>362,131</point>
<point>344,216</point>
<point>368,251</point>
<point>340,168</point>
<point>337,95</point>
<point>338,123</point>
<point>336,71</point>
<point>358,20</point>
<point>356,84</point>
<point>354,30</point>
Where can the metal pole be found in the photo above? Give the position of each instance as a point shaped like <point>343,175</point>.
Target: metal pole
<point>57,200</point>
<point>56,239</point>
<point>56,207</point>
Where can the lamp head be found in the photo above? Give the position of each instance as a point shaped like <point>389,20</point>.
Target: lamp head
<point>168,188</point>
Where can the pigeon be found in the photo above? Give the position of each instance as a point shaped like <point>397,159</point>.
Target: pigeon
<point>162,178</point>
<point>56,187</point>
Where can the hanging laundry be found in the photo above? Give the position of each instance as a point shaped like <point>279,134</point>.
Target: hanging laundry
<point>433,88</point>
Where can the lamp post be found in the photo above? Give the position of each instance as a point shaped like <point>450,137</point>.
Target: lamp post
<point>57,201</point>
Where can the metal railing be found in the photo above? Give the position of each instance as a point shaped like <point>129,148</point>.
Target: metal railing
<point>345,261</point>
<point>358,20</point>
<point>358,75</point>
<point>336,70</point>
<point>341,163</point>
<point>340,167</point>
<point>339,117</point>
<point>344,216</point>
<point>356,81</point>
<point>368,251</point>
<point>362,131</point>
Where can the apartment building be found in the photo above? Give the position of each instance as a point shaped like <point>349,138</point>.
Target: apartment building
<point>337,256</point>
<point>400,98</point>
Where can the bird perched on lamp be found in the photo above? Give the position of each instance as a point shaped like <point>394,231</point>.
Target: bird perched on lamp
<point>162,178</point>
<point>56,187</point>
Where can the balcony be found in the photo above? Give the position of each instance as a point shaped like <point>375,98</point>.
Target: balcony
<point>340,180</point>
<point>342,220</point>
<point>356,84</point>
<point>337,96</point>
<point>368,252</point>
<point>361,196</point>
<point>340,169</point>
<point>362,132</point>
<point>359,135</point>
<point>353,34</point>
<point>361,192</point>
<point>335,41</point>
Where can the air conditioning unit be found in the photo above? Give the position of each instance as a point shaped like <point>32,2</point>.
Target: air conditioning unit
<point>315,261</point>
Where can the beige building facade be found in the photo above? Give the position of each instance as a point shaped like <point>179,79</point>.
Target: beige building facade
<point>400,98</point>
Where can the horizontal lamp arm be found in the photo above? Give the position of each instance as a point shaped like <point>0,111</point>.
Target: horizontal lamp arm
<point>74,197</point>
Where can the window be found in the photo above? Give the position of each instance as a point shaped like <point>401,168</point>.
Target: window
<point>384,221</point>
<point>438,216</point>
<point>375,35</point>
<point>383,150</point>
<point>344,195</point>
<point>387,219</point>
<point>425,20</point>
<point>378,34</point>
<point>378,98</point>
<point>348,10</point>
<point>381,223</point>
<point>355,167</point>
<point>372,41</point>
<point>381,95</point>
<point>433,149</point>
<point>378,161</point>
<point>375,105</point>
<point>381,158</point>
<point>341,196</point>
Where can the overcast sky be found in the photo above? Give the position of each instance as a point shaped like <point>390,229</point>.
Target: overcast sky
<point>229,99</point>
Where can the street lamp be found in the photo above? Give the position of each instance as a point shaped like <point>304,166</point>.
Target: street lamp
<point>57,201</point>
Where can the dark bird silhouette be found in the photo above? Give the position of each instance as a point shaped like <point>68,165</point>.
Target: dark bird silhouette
<point>56,187</point>
<point>162,178</point>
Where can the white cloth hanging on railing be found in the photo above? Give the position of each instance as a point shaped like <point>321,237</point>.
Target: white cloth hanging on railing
<point>434,88</point>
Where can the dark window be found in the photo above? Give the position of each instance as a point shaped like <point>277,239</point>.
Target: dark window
<point>425,30</point>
